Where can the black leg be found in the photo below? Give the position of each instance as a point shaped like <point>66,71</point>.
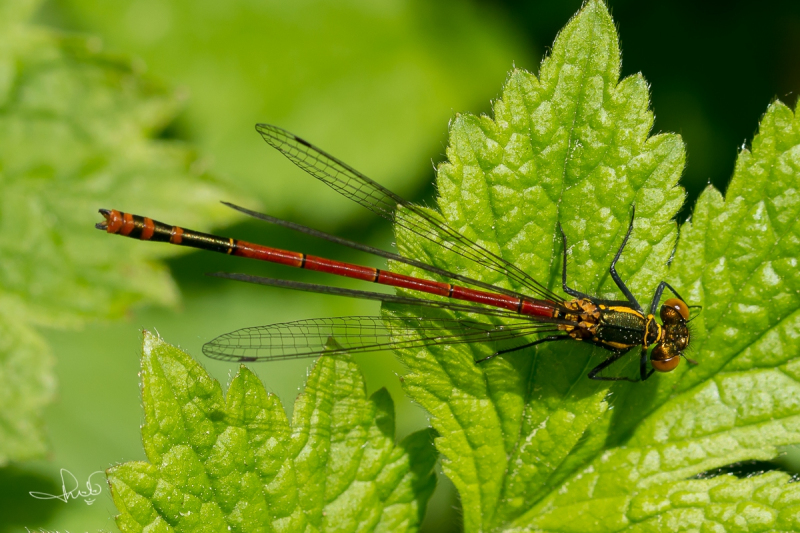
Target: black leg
<point>613,269</point>
<point>643,373</point>
<point>568,290</point>
<point>534,343</point>
<point>659,292</point>
<point>605,364</point>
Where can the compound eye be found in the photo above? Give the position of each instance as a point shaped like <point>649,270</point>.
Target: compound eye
<point>679,306</point>
<point>667,365</point>
<point>662,362</point>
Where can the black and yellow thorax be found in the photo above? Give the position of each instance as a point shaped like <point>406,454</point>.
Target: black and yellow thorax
<point>613,327</point>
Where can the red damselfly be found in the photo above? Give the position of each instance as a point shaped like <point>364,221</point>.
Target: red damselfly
<point>618,326</point>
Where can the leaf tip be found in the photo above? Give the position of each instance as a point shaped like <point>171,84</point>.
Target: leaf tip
<point>596,8</point>
<point>150,341</point>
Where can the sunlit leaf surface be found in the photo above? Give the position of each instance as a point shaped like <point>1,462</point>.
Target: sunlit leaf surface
<point>528,440</point>
<point>236,463</point>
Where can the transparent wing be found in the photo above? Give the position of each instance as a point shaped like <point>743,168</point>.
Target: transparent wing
<point>354,185</point>
<point>357,334</point>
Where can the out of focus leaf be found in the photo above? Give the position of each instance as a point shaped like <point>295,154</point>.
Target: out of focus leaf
<point>372,82</point>
<point>77,130</point>
<point>235,463</point>
<point>27,384</point>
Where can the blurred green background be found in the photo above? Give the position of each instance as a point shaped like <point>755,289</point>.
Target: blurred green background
<point>373,82</point>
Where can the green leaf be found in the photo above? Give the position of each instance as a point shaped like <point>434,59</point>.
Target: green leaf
<point>529,441</point>
<point>76,134</point>
<point>26,375</point>
<point>236,463</point>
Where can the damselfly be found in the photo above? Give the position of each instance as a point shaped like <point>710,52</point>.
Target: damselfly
<point>618,326</point>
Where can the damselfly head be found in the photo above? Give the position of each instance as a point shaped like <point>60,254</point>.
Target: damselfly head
<point>675,337</point>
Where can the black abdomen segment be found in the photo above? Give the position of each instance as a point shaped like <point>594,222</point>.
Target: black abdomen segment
<point>147,229</point>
